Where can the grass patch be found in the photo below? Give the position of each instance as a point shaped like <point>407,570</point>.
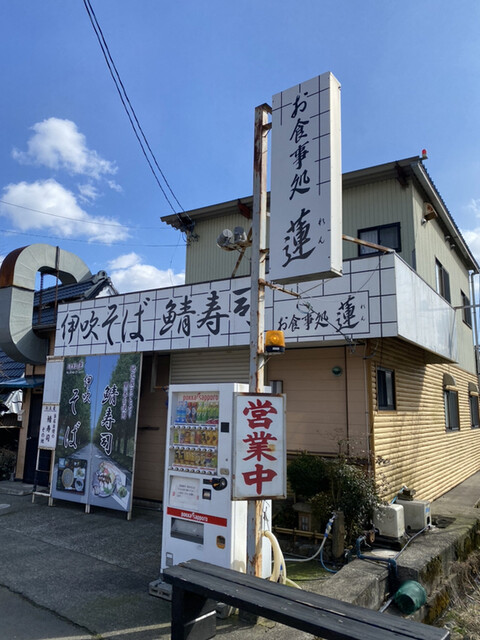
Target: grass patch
<point>302,571</point>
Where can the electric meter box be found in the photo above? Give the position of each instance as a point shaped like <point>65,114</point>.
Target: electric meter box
<point>390,521</point>
<point>417,514</point>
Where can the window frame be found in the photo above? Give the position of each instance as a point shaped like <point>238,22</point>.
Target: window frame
<point>474,406</point>
<point>386,389</point>
<point>450,404</point>
<point>364,250</point>
<point>442,281</point>
<point>466,310</point>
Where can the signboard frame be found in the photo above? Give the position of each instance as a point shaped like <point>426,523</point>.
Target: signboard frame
<point>96,443</point>
<point>259,455</point>
<point>306,182</point>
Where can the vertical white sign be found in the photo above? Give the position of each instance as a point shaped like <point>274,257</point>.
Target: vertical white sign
<point>260,452</point>
<point>47,438</point>
<point>306,182</point>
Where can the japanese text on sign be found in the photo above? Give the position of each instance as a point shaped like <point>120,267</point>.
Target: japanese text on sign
<point>344,309</point>
<point>260,454</point>
<point>305,242</point>
<point>47,438</point>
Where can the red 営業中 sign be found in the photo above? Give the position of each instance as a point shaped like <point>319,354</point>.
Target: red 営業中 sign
<point>259,448</point>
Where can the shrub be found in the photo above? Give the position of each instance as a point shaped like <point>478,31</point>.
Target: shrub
<point>307,475</point>
<point>7,463</point>
<point>343,487</point>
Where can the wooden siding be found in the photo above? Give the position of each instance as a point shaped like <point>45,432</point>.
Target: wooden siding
<point>23,434</point>
<point>210,367</point>
<point>411,444</point>
<point>326,414</point>
<point>205,261</point>
<point>151,434</point>
<point>431,245</point>
<point>377,204</point>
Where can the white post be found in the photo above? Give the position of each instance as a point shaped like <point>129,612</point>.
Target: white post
<point>257,310</point>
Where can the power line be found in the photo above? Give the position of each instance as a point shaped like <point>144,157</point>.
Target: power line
<point>116,244</point>
<point>115,225</point>
<point>186,221</point>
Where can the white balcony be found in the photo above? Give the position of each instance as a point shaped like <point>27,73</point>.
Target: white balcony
<point>377,297</point>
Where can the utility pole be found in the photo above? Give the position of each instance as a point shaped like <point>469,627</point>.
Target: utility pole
<point>257,310</point>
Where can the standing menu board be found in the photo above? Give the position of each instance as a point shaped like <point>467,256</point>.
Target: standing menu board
<point>97,425</point>
<point>47,438</point>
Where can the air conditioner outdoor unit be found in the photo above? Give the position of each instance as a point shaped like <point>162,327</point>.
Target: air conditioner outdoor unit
<point>389,521</point>
<point>417,514</point>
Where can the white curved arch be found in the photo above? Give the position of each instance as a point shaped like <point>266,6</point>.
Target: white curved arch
<point>17,288</point>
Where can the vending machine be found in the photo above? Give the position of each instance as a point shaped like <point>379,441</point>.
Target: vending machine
<point>200,519</point>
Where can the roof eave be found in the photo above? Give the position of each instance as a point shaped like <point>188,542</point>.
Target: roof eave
<point>440,207</point>
<point>397,169</point>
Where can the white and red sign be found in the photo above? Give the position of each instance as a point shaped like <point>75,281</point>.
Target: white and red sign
<point>260,452</point>
<point>205,518</point>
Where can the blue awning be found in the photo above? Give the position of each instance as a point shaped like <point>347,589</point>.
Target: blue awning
<point>27,382</point>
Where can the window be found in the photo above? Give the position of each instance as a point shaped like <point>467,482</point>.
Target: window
<point>466,311</point>
<point>443,281</point>
<point>450,397</point>
<point>385,389</point>
<point>388,235</point>
<point>473,399</point>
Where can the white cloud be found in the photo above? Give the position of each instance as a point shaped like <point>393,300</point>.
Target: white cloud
<point>88,192</point>
<point>472,238</point>
<point>124,262</point>
<point>58,144</point>
<point>67,218</point>
<point>128,273</point>
<point>474,207</point>
<point>114,186</point>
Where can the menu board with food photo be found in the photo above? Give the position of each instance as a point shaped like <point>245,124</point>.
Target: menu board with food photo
<point>97,430</point>
<point>71,475</point>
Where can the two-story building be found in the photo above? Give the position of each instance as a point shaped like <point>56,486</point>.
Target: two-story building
<point>380,362</point>
<point>400,391</point>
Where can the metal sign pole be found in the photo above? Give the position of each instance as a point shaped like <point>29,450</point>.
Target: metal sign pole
<point>257,310</point>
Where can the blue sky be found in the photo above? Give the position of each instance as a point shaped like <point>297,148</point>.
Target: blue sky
<point>194,72</point>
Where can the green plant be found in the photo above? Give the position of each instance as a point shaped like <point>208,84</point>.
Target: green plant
<point>307,475</point>
<point>344,487</point>
<point>7,463</point>
<point>286,517</point>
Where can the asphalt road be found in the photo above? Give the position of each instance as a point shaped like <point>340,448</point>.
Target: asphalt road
<point>68,575</point>
<point>23,620</point>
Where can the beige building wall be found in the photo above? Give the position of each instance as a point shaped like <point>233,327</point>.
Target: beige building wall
<point>205,260</point>
<point>432,245</point>
<point>411,444</point>
<point>326,413</point>
<point>152,425</point>
<point>376,204</point>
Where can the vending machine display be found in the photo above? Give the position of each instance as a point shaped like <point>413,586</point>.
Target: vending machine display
<point>193,442</point>
<point>200,518</point>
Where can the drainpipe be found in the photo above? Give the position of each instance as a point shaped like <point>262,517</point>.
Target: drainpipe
<point>347,413</point>
<point>475,325</point>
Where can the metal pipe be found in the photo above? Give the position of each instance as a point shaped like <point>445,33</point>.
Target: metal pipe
<point>475,324</point>
<point>257,312</point>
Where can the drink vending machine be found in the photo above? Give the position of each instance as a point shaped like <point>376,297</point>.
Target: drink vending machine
<point>200,519</point>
